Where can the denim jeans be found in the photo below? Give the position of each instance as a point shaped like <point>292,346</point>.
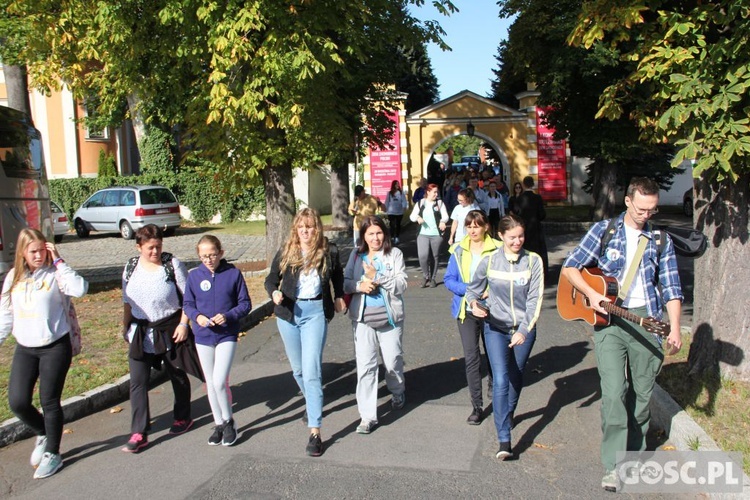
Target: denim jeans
<point>507,374</point>
<point>304,340</point>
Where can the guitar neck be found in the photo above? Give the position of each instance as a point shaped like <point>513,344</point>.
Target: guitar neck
<point>658,327</point>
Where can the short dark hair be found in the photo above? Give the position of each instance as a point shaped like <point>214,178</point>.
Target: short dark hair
<point>467,193</point>
<point>358,190</point>
<point>643,185</point>
<point>148,232</point>
<point>476,216</point>
<point>528,182</point>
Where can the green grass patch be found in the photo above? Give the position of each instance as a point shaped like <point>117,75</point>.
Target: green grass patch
<point>246,228</point>
<point>104,357</point>
<point>718,405</point>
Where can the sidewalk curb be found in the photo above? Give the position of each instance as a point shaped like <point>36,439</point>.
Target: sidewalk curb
<point>106,395</point>
<point>681,429</point>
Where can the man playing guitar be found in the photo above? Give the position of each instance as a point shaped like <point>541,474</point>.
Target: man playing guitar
<point>628,357</point>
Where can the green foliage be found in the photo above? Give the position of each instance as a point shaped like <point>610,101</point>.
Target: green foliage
<point>107,165</point>
<point>205,197</point>
<point>462,145</point>
<point>571,80</point>
<point>157,152</point>
<point>689,82</point>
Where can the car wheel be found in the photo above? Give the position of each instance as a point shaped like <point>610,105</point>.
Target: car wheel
<point>81,229</point>
<point>687,207</point>
<point>58,238</point>
<point>170,231</point>
<point>126,231</point>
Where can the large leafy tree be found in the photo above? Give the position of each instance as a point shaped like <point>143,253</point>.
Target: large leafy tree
<point>260,86</point>
<point>570,80</point>
<point>690,59</point>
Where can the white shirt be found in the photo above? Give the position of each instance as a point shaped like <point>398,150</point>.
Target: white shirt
<point>637,294</point>
<point>459,215</point>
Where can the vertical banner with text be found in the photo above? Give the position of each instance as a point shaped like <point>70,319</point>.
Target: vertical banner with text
<point>385,163</point>
<point>551,161</point>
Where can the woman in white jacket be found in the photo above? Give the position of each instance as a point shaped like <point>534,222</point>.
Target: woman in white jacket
<point>34,308</point>
<point>376,278</point>
<point>395,206</point>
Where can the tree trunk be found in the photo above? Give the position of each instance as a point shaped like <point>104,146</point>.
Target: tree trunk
<point>604,190</point>
<point>136,116</point>
<point>721,323</point>
<point>280,207</point>
<point>340,193</point>
<point>17,87</point>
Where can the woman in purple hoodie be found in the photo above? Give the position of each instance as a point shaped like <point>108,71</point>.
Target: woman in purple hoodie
<point>216,299</point>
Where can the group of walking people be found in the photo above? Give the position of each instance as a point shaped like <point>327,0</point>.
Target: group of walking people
<point>171,317</point>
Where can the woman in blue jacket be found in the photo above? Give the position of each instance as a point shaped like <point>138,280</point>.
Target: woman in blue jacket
<point>465,257</point>
<point>215,300</point>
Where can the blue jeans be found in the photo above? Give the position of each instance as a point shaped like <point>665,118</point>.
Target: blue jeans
<point>304,340</point>
<point>507,375</point>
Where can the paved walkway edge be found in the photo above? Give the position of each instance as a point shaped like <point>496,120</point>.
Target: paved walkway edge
<point>682,430</point>
<point>106,395</point>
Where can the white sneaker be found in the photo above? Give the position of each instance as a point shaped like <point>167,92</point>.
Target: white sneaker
<point>36,455</point>
<point>51,463</point>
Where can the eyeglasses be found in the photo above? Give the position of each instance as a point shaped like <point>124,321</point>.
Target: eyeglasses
<point>208,257</point>
<point>643,211</point>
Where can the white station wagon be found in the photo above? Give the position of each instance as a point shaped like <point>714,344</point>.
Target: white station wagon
<point>126,209</point>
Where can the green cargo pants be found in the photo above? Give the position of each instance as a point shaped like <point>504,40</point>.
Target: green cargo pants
<point>628,359</point>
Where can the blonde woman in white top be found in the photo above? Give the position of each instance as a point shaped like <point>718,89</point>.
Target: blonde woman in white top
<point>34,308</point>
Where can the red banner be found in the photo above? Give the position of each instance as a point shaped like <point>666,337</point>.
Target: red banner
<point>385,163</point>
<point>551,161</point>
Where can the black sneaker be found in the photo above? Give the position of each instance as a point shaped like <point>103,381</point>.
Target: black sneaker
<point>181,426</point>
<point>476,416</point>
<point>230,433</point>
<point>426,282</point>
<point>314,446</point>
<point>217,436</point>
<point>504,452</point>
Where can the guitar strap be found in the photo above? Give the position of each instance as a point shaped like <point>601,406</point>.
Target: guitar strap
<point>630,275</point>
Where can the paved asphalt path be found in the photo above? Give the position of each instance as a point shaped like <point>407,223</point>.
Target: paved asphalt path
<point>425,450</point>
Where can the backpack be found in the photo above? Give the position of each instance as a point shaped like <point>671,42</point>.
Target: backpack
<point>687,242</point>
<point>167,264</point>
<point>435,212</point>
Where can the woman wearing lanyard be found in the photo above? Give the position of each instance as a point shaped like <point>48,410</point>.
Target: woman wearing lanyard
<point>376,278</point>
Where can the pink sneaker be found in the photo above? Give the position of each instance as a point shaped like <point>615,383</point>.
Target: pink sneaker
<point>181,426</point>
<point>136,443</point>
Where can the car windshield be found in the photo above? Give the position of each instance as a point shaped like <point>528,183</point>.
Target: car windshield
<point>157,196</point>
<point>55,207</point>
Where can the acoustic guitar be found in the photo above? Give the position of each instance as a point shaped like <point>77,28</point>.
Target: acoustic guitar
<point>572,304</point>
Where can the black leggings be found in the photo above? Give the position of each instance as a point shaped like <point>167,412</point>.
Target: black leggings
<point>395,223</point>
<point>49,365</point>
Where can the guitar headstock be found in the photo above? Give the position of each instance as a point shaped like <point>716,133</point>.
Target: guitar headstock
<point>656,327</point>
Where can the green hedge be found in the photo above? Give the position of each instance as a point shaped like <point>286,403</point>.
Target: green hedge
<point>203,196</point>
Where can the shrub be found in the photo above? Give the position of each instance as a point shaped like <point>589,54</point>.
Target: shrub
<point>107,164</point>
<point>204,196</point>
<point>156,151</point>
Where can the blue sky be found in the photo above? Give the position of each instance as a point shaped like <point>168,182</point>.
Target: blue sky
<point>474,34</point>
